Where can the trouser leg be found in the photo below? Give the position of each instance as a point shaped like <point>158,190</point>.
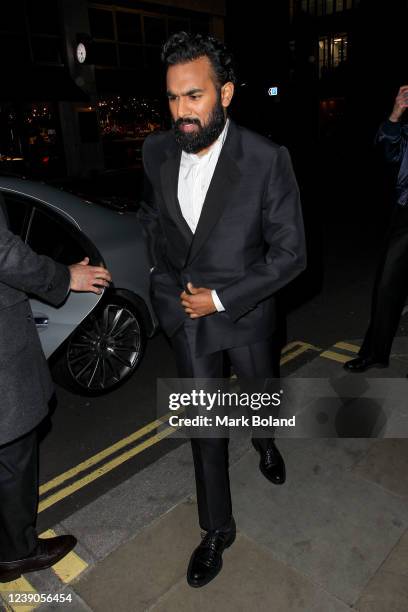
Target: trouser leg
<point>211,468</point>
<point>255,362</point>
<point>390,290</point>
<point>210,455</point>
<point>18,497</point>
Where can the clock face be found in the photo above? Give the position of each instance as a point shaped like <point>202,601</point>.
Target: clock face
<point>81,53</point>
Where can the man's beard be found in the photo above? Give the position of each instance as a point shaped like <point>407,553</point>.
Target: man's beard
<point>193,142</point>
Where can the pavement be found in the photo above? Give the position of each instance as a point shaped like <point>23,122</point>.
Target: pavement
<point>333,538</point>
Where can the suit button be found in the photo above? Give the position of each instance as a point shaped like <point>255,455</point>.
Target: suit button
<point>50,286</point>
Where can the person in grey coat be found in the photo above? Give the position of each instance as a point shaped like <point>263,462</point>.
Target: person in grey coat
<point>26,388</point>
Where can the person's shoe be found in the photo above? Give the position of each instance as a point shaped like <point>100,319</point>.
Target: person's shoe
<point>361,364</point>
<point>206,560</point>
<point>271,463</point>
<point>47,552</point>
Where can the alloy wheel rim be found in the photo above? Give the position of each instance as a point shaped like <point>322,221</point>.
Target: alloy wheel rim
<point>105,348</point>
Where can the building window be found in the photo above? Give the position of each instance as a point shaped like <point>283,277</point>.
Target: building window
<point>101,23</point>
<point>129,27</point>
<point>44,19</point>
<point>131,56</point>
<point>104,54</point>
<point>133,38</point>
<point>324,7</point>
<point>155,31</point>
<point>323,55</point>
<point>46,50</point>
<point>124,123</point>
<point>44,26</point>
<point>29,34</point>
<point>332,52</point>
<point>29,142</point>
<point>178,25</point>
<point>339,49</point>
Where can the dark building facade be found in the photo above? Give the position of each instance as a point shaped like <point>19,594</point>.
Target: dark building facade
<point>83,79</point>
<point>258,33</point>
<point>353,54</point>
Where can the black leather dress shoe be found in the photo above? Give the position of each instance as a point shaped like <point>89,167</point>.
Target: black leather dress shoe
<point>47,552</point>
<point>271,463</point>
<point>206,560</point>
<point>361,364</point>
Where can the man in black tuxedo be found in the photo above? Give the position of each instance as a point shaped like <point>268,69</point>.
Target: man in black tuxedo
<point>222,216</point>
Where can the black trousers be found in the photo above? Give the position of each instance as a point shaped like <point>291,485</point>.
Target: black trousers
<point>210,455</point>
<point>18,497</point>
<point>390,290</point>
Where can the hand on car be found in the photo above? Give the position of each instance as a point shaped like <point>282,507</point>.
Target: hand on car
<point>401,103</point>
<point>88,278</point>
<point>199,303</point>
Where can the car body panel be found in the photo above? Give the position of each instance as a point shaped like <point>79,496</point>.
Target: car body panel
<point>63,320</point>
<point>117,236</point>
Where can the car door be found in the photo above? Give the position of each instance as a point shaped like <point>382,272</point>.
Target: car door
<point>49,232</point>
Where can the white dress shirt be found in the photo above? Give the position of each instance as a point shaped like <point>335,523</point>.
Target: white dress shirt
<point>194,179</point>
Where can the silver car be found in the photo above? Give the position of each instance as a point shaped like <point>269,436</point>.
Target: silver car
<point>95,342</point>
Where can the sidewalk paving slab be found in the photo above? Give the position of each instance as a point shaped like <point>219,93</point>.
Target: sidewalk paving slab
<point>148,573</point>
<point>135,575</point>
<point>386,464</point>
<point>387,591</point>
<point>325,522</point>
<point>251,579</point>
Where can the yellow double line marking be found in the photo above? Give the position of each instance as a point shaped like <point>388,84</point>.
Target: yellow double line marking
<point>340,357</point>
<point>70,566</point>
<point>288,354</point>
<point>106,467</point>
<point>17,586</point>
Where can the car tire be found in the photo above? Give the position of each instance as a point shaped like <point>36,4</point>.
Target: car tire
<point>104,350</point>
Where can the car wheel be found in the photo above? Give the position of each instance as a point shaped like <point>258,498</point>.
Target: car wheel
<point>104,350</point>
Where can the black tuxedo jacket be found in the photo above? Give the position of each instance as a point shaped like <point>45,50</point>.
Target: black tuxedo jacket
<point>249,240</point>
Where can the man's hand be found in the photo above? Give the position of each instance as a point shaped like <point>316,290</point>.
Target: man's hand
<point>199,303</point>
<point>401,103</point>
<point>85,277</point>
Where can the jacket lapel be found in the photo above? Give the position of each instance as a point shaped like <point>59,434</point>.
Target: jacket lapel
<point>226,175</point>
<point>169,172</point>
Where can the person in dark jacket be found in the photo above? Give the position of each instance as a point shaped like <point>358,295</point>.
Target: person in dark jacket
<point>391,284</point>
<point>26,388</point>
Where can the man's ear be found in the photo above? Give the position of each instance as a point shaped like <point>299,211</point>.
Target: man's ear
<point>227,91</point>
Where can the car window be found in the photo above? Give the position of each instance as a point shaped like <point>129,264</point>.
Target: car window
<point>16,210</point>
<point>49,235</point>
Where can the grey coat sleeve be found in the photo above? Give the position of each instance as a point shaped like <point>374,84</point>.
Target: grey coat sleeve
<point>284,238</point>
<point>24,270</point>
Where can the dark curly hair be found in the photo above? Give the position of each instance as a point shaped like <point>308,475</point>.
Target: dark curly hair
<point>184,47</point>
